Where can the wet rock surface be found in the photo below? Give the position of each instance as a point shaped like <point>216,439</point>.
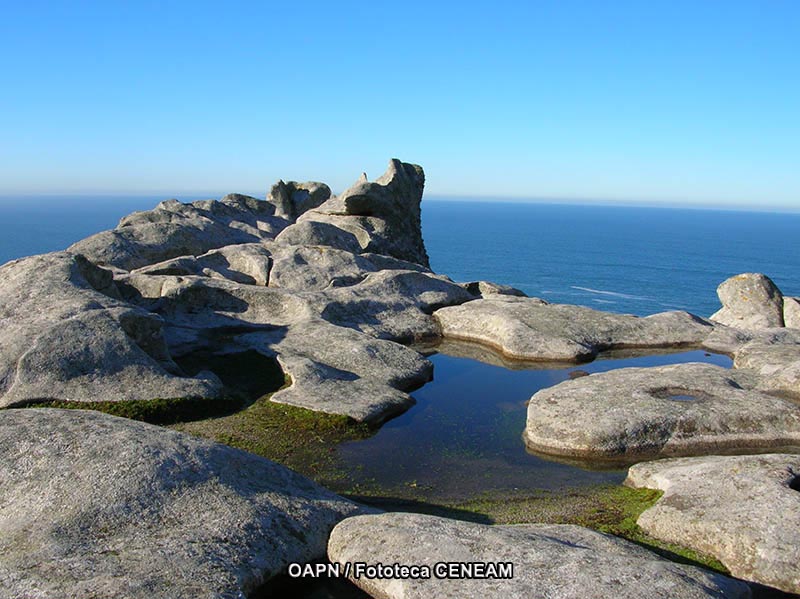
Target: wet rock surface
<point>743,510</point>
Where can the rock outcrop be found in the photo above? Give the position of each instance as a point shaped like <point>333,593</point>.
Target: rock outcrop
<point>487,288</point>
<point>65,333</point>
<point>743,510</point>
<point>100,506</point>
<point>531,329</point>
<point>292,199</point>
<point>548,561</point>
<point>328,298</point>
<point>174,229</point>
<point>383,216</point>
<point>247,263</point>
<point>750,301</point>
<point>632,414</point>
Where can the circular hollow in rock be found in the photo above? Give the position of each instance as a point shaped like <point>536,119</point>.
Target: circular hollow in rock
<point>679,394</point>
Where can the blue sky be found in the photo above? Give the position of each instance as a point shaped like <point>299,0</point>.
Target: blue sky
<point>695,102</point>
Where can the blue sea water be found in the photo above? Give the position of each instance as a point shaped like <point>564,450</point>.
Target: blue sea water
<point>623,259</point>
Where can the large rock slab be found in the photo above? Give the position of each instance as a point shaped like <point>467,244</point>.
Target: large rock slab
<point>729,340</point>
<point>383,216</point>
<point>530,329</point>
<point>392,304</point>
<point>99,506</point>
<point>175,229</point>
<point>548,561</point>
<point>339,370</point>
<point>66,334</point>
<point>744,510</point>
<point>750,301</point>
<point>636,413</point>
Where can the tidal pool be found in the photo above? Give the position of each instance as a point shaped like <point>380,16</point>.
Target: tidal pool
<point>463,437</point>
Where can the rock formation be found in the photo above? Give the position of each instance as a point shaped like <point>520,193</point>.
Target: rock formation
<point>99,506</point>
<point>743,510</point>
<point>750,301</point>
<point>66,333</point>
<point>383,216</point>
<point>293,199</point>
<point>531,329</point>
<point>791,312</point>
<point>640,413</point>
<point>558,562</point>
<point>326,286</point>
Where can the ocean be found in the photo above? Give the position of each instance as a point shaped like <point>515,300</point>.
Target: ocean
<point>623,259</point>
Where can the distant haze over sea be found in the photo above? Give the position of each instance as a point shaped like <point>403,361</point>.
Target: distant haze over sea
<point>631,259</point>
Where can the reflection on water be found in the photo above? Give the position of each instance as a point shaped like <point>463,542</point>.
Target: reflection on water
<point>464,435</point>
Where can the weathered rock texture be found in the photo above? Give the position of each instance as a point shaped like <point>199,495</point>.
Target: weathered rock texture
<point>174,229</point>
<point>750,301</point>
<point>777,366</point>
<point>744,510</point>
<point>65,333</point>
<point>293,199</point>
<point>637,413</point>
<point>549,561</point>
<point>99,506</point>
<point>383,216</point>
<point>531,329</point>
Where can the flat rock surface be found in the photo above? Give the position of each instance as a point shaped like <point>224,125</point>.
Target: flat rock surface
<point>635,413</point>
<point>97,506</point>
<point>548,561</point>
<point>530,329</point>
<point>744,510</point>
<point>392,304</point>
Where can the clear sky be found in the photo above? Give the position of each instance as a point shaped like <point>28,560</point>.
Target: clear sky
<point>693,101</point>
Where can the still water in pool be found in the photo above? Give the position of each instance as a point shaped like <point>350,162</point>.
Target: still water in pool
<point>464,435</point>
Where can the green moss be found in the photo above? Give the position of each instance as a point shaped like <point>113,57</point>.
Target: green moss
<point>608,508</point>
<point>301,439</point>
<point>155,411</point>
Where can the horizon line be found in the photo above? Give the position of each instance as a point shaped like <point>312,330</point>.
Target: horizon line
<point>443,197</point>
